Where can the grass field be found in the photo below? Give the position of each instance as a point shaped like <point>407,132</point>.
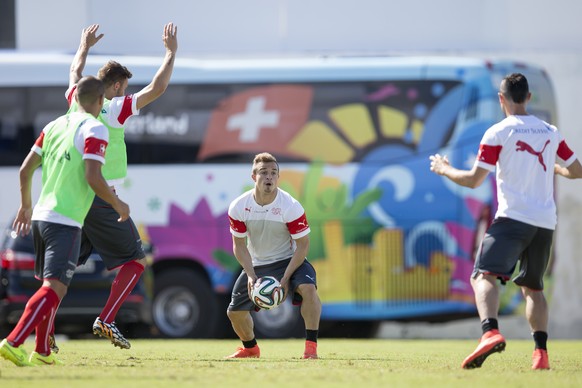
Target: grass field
<point>342,363</point>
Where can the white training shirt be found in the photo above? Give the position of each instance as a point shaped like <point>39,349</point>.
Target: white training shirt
<point>91,139</point>
<point>114,114</point>
<point>524,150</point>
<point>270,229</point>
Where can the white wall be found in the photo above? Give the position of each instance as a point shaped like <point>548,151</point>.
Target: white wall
<point>275,26</point>
<point>548,33</point>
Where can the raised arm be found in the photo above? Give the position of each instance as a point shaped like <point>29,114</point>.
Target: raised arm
<point>89,38</point>
<point>162,78</point>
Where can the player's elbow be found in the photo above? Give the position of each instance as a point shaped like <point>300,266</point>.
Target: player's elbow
<point>473,184</point>
<point>93,177</point>
<point>75,74</point>
<point>158,89</point>
<point>149,94</point>
<point>92,180</point>
<point>475,177</point>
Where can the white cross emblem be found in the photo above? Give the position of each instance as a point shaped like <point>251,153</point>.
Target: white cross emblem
<point>252,120</point>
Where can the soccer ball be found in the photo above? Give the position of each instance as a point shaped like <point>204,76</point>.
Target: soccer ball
<point>267,293</point>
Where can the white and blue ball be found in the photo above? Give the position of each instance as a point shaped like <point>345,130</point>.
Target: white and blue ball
<point>267,293</point>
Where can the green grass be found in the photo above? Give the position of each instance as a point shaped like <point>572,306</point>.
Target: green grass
<point>342,363</point>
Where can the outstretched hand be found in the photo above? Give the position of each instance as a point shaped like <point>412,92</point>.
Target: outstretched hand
<point>438,164</point>
<point>89,36</point>
<point>170,37</point>
<point>22,221</point>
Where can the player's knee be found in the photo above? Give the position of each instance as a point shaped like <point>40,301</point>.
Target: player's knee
<point>309,293</point>
<point>236,316</point>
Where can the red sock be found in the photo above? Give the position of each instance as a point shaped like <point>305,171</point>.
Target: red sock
<point>122,286</point>
<point>38,308</point>
<point>52,328</point>
<point>43,331</point>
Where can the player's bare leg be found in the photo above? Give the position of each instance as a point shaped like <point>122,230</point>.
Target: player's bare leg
<point>311,313</point>
<point>243,326</point>
<point>487,300</point>
<point>536,312</point>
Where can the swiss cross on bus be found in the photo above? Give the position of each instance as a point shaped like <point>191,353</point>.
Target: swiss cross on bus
<point>253,119</point>
<point>257,119</point>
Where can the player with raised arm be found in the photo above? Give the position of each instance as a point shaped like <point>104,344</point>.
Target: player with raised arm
<point>118,244</point>
<point>270,236</point>
<point>71,150</point>
<point>523,150</point>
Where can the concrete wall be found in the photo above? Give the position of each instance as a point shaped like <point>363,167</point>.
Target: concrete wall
<point>543,32</point>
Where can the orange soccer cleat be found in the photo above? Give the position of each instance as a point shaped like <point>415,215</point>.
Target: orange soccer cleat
<point>540,359</point>
<point>491,342</point>
<point>253,352</point>
<point>310,350</point>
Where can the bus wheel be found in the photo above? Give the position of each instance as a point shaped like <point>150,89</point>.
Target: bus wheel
<point>184,305</point>
<point>284,321</point>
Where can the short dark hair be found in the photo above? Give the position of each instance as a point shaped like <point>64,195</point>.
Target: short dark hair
<point>263,157</point>
<point>515,88</point>
<point>113,72</point>
<point>89,90</point>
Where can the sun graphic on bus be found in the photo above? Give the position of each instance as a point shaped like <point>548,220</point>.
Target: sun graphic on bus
<point>355,131</point>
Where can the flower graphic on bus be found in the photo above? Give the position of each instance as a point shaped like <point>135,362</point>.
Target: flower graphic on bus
<point>199,235</point>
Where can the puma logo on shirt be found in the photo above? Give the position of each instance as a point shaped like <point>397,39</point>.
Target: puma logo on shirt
<point>523,146</point>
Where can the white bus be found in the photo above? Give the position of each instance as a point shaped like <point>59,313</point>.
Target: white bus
<point>390,240</point>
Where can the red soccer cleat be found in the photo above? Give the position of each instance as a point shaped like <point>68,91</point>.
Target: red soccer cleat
<point>253,352</point>
<point>540,359</point>
<point>310,352</point>
<point>491,342</point>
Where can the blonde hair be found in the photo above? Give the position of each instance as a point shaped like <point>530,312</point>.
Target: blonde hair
<point>263,157</point>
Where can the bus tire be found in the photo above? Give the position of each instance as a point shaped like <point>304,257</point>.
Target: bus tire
<point>284,321</point>
<point>184,305</point>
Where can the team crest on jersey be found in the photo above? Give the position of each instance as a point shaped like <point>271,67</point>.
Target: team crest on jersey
<point>102,149</point>
<point>276,211</point>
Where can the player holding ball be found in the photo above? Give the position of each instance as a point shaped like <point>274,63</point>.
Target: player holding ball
<point>271,238</point>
